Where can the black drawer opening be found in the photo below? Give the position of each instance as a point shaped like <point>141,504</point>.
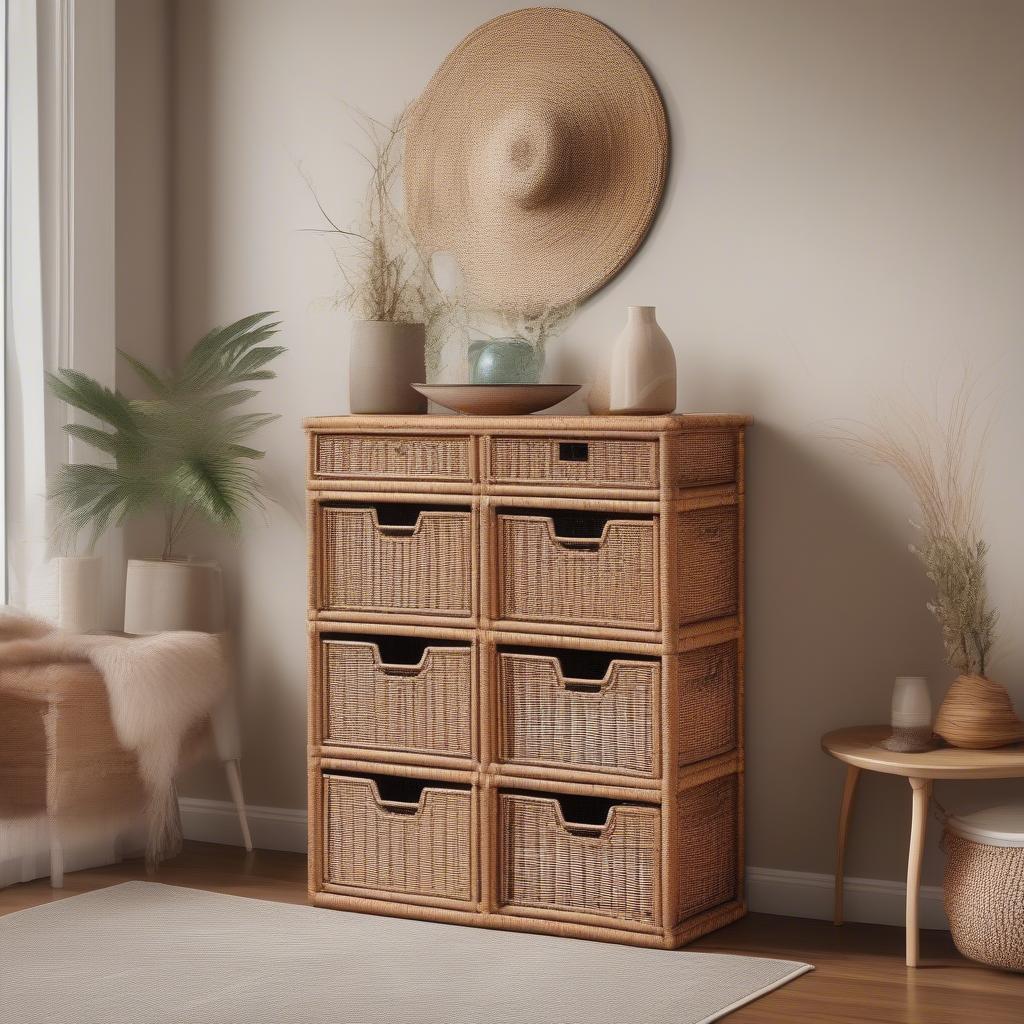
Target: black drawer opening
<point>576,524</point>
<point>397,650</point>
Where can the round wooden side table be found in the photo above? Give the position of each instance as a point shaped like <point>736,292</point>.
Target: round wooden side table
<point>859,748</point>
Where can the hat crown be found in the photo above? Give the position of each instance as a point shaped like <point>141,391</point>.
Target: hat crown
<point>525,152</point>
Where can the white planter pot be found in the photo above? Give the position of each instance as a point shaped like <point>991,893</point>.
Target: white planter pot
<point>173,595</point>
<point>78,581</point>
<point>385,360</point>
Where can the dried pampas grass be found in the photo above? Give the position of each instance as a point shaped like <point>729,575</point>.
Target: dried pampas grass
<point>939,458</point>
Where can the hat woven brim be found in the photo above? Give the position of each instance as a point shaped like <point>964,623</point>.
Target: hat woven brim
<point>612,174</point>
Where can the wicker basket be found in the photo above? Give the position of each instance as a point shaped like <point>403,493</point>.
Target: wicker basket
<point>424,707</point>
<point>584,724</point>
<point>425,568</point>
<point>609,871</point>
<point>708,702</point>
<point>708,583</point>
<point>608,580</point>
<point>599,462</point>
<point>708,823</point>
<point>392,457</point>
<point>421,848</point>
<point>983,888</point>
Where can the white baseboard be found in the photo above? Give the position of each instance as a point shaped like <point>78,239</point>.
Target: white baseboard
<point>216,821</point>
<point>769,890</point>
<point>869,900</point>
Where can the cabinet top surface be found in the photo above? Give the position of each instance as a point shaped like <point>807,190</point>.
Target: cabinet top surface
<point>534,423</point>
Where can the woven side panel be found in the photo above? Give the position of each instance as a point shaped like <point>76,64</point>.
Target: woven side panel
<point>425,711</point>
<point>544,723</point>
<point>707,841</point>
<point>427,853</point>
<point>614,584</point>
<point>365,456</point>
<point>707,702</point>
<point>983,893</point>
<point>544,866</point>
<point>700,458</point>
<point>608,462</point>
<point>428,570</point>
<point>708,540</point>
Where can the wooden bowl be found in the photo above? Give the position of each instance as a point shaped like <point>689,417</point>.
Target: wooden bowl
<point>497,399</point>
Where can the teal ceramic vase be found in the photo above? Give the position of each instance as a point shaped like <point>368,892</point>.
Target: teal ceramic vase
<point>505,361</point>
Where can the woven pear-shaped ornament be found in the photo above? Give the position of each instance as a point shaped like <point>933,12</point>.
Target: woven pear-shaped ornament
<point>977,714</point>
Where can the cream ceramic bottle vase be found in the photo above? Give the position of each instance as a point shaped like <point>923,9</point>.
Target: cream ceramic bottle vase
<point>642,370</point>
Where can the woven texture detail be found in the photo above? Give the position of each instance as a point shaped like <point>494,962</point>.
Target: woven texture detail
<point>607,462</point>
<point>386,457</point>
<point>427,708</point>
<point>700,458</point>
<point>614,583</point>
<point>536,156</point>
<point>708,583</point>
<point>544,723</point>
<point>983,892</point>
<point>707,844</point>
<point>428,853</point>
<point>707,702</point>
<point>426,570</point>
<point>611,875</point>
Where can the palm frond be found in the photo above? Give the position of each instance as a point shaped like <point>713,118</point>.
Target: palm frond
<point>181,448</point>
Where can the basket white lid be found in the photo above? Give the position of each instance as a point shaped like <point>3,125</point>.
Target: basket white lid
<point>993,826</point>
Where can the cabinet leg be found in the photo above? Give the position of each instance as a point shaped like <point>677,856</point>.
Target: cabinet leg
<point>849,788</point>
<point>918,827</point>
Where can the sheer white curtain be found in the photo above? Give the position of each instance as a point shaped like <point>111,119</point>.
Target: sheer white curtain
<point>33,443</point>
<point>60,309</point>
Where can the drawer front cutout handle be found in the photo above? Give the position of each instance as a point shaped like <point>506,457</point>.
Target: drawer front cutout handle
<point>583,687</point>
<point>573,451</point>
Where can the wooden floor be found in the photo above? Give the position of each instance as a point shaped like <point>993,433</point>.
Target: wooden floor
<point>859,973</point>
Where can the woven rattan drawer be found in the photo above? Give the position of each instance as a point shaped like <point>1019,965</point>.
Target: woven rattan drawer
<point>605,724</point>
<point>549,576</point>
<point>707,708</point>
<point>700,458</point>
<point>596,462</point>
<point>420,847</point>
<point>392,457</point>
<point>708,560</point>
<point>420,705</point>
<point>708,827</point>
<point>423,568</point>
<point>608,871</point>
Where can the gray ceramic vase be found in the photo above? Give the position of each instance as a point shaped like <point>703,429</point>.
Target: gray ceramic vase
<point>385,360</point>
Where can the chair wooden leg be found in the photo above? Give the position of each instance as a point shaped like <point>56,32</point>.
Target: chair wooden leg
<point>56,863</point>
<point>234,773</point>
<point>849,789</point>
<point>918,827</point>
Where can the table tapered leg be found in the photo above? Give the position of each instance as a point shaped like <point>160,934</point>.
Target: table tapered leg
<point>918,826</point>
<point>849,788</point>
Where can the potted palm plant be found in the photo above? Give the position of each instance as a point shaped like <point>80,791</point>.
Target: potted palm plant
<point>183,451</point>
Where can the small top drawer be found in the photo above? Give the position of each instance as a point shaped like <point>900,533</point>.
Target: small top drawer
<point>563,462</point>
<point>392,457</point>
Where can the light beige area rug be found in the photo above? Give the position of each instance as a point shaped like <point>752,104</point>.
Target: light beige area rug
<point>141,953</point>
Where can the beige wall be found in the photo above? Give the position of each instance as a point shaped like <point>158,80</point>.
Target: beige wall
<point>844,220</point>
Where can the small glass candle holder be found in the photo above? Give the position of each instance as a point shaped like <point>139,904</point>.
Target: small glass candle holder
<point>911,717</point>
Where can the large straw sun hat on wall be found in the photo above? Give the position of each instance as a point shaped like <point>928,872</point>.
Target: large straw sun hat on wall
<point>536,156</point>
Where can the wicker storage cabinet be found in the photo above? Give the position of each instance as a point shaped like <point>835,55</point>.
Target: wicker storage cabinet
<point>526,671</point>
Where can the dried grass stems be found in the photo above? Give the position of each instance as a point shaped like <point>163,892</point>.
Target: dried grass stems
<point>385,275</point>
<point>939,459</point>
<point>536,326</point>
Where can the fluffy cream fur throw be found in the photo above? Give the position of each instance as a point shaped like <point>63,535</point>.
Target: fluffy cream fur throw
<point>160,688</point>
